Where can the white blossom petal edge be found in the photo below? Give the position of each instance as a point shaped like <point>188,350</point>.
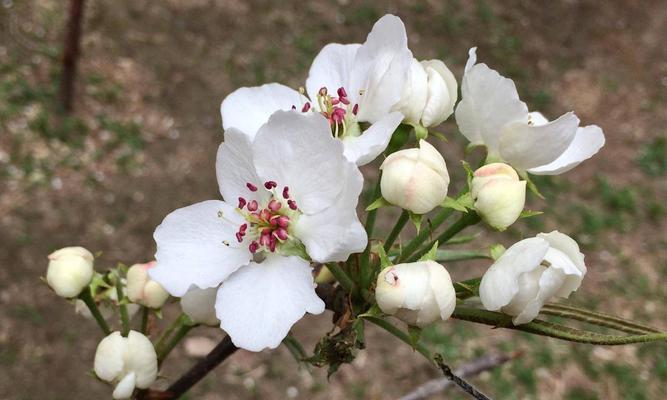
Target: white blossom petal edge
<point>490,113</point>
<point>348,84</point>
<point>530,273</point>
<point>290,195</point>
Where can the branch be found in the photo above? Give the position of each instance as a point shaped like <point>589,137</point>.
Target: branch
<point>469,369</point>
<point>465,386</point>
<point>71,50</point>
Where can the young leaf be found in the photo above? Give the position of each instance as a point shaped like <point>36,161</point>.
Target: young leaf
<point>459,255</point>
<point>416,220</point>
<point>529,213</point>
<point>379,202</point>
<point>469,172</point>
<point>384,260</point>
<point>531,185</point>
<point>496,250</point>
<point>466,200</point>
<point>453,203</point>
<point>430,256</point>
<point>460,239</point>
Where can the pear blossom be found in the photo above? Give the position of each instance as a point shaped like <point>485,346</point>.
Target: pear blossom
<point>490,113</point>
<point>199,306</point>
<point>70,270</point>
<point>143,290</point>
<point>130,362</point>
<point>429,94</point>
<point>530,273</point>
<point>347,83</point>
<point>415,179</point>
<point>290,195</point>
<point>418,293</point>
<point>498,194</point>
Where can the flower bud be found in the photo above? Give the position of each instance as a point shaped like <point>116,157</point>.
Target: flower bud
<point>143,290</point>
<point>429,94</point>
<point>499,194</point>
<point>415,179</point>
<point>530,273</point>
<point>70,270</point>
<point>199,305</point>
<point>417,293</point>
<point>130,362</point>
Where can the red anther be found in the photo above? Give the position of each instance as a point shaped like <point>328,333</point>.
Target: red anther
<point>272,243</point>
<point>292,204</point>
<point>281,234</point>
<point>355,109</point>
<point>243,228</point>
<point>285,193</point>
<point>251,187</point>
<point>242,203</point>
<point>338,115</point>
<point>239,237</point>
<point>305,107</point>
<point>265,240</point>
<point>265,231</point>
<point>344,100</point>
<point>270,185</point>
<point>323,91</point>
<point>282,221</point>
<point>334,101</point>
<point>254,246</point>
<point>274,205</point>
<point>253,206</point>
<point>265,215</point>
<point>341,92</point>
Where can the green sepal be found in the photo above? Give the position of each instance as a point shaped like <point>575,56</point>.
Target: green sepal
<point>469,172</point>
<point>530,184</point>
<point>529,213</point>
<point>294,248</point>
<point>416,220</point>
<point>421,133</point>
<point>432,253</point>
<point>496,250</point>
<point>379,202</point>
<point>453,203</point>
<point>399,138</point>
<point>384,259</point>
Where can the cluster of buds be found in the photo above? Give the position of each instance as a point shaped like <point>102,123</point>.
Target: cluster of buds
<point>499,195</point>
<point>143,290</point>
<point>70,270</point>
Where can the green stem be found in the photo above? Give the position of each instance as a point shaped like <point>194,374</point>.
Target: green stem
<point>175,339</point>
<point>400,224</point>
<point>549,329</point>
<point>342,277</point>
<point>597,318</point>
<point>364,269</point>
<point>423,234</point>
<point>389,327</point>
<point>124,317</point>
<point>144,319</point>
<point>466,220</point>
<point>87,298</point>
<point>174,325</point>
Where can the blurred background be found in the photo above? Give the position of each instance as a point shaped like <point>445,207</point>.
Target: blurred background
<point>141,137</point>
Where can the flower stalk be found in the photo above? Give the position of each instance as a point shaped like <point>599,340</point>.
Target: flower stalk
<point>87,298</point>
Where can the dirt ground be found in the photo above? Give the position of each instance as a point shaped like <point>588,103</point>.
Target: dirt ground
<point>142,142</point>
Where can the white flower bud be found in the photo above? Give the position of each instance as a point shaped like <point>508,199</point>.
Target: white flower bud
<point>429,94</point>
<point>70,270</point>
<point>417,293</point>
<point>130,361</point>
<point>143,290</point>
<point>499,194</point>
<point>199,305</point>
<point>415,179</point>
<point>530,273</point>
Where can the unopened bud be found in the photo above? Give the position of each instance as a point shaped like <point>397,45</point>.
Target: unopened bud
<point>143,290</point>
<point>417,293</point>
<point>130,362</point>
<point>70,270</point>
<point>499,194</point>
<point>199,305</point>
<point>415,179</point>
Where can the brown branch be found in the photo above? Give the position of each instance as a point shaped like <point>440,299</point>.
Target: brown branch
<point>71,50</point>
<point>460,382</point>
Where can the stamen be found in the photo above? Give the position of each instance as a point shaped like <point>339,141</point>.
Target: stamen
<point>254,246</point>
<point>305,107</point>
<point>274,205</point>
<point>344,100</point>
<point>239,237</point>
<point>323,91</point>
<point>281,234</point>
<point>270,185</point>
<point>285,193</point>
<point>253,206</point>
<point>292,204</point>
<point>251,187</point>
<point>341,92</point>
<point>243,228</point>
<point>242,203</point>
<point>355,109</point>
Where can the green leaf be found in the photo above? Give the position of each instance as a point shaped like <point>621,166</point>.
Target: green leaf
<point>466,289</point>
<point>466,200</point>
<point>430,256</point>
<point>453,203</point>
<point>295,348</point>
<point>379,202</point>
<point>416,220</point>
<point>415,334</point>
<point>531,185</point>
<point>459,255</point>
<point>461,239</point>
<point>496,250</point>
<point>529,213</point>
<point>294,248</point>
<point>399,138</point>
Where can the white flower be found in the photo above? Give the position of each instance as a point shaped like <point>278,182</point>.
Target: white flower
<point>199,305</point>
<point>429,94</point>
<point>530,273</point>
<point>143,290</point>
<point>417,293</point>
<point>415,179</point>
<point>349,84</point>
<point>70,270</point>
<point>499,194</point>
<point>490,113</point>
<point>129,361</point>
<point>290,191</point>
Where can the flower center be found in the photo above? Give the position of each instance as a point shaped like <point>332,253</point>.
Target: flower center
<point>338,110</point>
<point>267,226</point>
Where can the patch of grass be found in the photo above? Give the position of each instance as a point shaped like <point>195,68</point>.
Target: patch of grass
<point>579,393</point>
<point>363,15</point>
<point>28,313</point>
<point>627,381</point>
<point>653,157</point>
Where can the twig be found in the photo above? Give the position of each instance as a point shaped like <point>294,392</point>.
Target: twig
<point>71,54</point>
<point>469,369</point>
<point>460,382</point>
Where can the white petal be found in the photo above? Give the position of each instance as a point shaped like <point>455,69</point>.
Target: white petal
<point>125,387</point>
<point>442,93</point>
<point>141,358</point>
<point>335,232</point>
<point>588,141</point>
<point>373,141</point>
<point>567,246</point>
<point>248,108</point>
<point>527,146</point>
<point>380,69</point>
<point>415,93</point>
<point>191,247</point>
<point>331,68</point>
<point>501,282</point>
<point>549,283</point>
<point>489,101</point>
<point>199,305</point>
<point>234,167</point>
<point>297,150</point>
<point>259,303</point>
<point>109,357</point>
